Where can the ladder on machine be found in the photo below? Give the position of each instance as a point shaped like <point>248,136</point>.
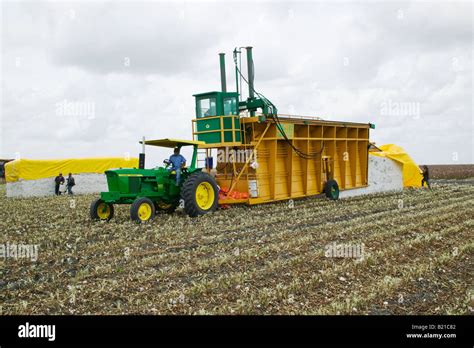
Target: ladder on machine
<point>201,158</point>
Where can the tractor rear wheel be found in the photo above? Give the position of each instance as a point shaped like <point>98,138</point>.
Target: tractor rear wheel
<point>200,194</point>
<point>100,210</point>
<point>331,189</point>
<point>142,210</point>
<point>168,208</point>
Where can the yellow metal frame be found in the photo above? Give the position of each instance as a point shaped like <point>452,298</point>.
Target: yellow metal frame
<point>222,130</point>
<point>248,159</point>
<point>340,152</point>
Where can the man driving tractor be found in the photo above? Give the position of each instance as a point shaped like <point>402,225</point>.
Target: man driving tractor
<point>177,162</point>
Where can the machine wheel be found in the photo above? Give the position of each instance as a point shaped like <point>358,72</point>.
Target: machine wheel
<point>100,210</point>
<point>331,189</point>
<point>168,208</point>
<point>200,194</point>
<point>142,210</point>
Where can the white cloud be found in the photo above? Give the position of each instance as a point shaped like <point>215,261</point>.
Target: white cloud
<point>340,61</point>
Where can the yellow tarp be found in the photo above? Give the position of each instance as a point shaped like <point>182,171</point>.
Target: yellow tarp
<point>411,172</point>
<point>26,169</point>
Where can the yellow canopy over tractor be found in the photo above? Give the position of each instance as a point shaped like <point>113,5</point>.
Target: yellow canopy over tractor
<point>172,142</point>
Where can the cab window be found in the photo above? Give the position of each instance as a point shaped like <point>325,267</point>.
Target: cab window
<point>230,106</point>
<point>207,107</point>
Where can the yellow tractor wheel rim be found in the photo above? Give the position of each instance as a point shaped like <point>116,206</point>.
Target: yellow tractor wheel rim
<point>103,211</point>
<point>205,195</point>
<point>144,211</point>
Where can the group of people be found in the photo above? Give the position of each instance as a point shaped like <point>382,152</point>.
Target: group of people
<point>59,180</point>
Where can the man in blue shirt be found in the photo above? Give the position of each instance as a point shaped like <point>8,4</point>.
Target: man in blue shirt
<point>177,162</point>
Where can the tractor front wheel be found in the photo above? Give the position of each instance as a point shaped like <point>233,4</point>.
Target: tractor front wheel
<point>142,210</point>
<point>331,189</point>
<point>100,210</point>
<point>200,194</point>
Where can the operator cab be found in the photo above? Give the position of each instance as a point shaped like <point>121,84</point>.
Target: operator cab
<point>217,120</point>
<point>216,104</point>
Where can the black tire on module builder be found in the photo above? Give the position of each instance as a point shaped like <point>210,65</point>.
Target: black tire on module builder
<point>331,189</point>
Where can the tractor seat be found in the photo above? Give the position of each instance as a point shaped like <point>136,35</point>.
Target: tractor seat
<point>183,170</point>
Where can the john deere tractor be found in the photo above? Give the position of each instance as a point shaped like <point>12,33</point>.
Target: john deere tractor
<point>152,190</point>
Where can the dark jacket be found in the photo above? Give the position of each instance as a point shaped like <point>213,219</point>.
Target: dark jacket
<point>59,180</point>
<point>426,173</point>
<point>70,181</point>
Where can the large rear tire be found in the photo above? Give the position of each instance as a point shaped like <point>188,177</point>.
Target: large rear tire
<point>200,194</point>
<point>331,189</point>
<point>100,210</point>
<point>142,210</point>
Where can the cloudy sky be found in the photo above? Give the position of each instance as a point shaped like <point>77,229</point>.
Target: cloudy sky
<point>87,79</point>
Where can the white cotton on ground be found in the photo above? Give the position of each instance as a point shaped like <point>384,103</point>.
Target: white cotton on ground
<point>85,183</point>
<point>385,175</point>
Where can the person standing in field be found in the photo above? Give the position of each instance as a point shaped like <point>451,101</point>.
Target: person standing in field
<point>426,177</point>
<point>59,180</point>
<point>70,183</point>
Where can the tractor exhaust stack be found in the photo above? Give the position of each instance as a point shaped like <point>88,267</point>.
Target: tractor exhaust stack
<point>141,156</point>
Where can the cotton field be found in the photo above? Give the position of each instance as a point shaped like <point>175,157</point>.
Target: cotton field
<point>408,252</point>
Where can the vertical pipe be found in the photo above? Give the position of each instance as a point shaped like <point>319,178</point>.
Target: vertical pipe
<point>236,72</point>
<point>193,161</point>
<point>250,75</point>
<point>141,156</point>
<point>237,81</point>
<point>240,75</point>
<point>222,63</point>
<point>250,71</point>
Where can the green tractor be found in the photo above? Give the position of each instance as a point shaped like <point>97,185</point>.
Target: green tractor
<point>152,190</point>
